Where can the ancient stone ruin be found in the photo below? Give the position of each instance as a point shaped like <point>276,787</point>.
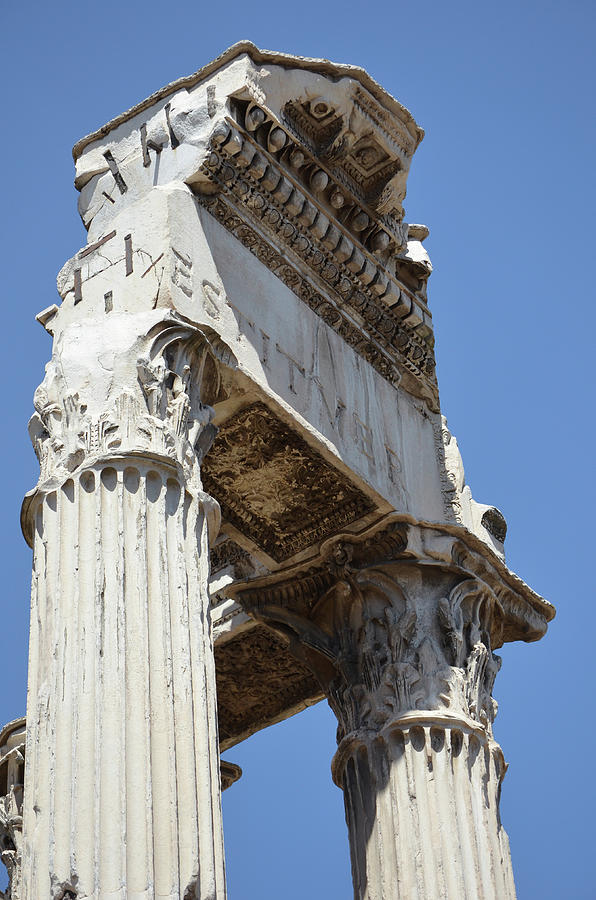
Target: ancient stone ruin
<point>249,501</point>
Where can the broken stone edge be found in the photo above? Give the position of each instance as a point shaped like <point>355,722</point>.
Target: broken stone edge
<point>271,57</point>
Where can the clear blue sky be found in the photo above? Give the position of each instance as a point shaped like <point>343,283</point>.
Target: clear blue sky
<point>505,180</point>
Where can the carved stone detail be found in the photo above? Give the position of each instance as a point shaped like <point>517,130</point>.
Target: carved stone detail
<point>383,648</point>
<point>230,773</point>
<point>347,171</point>
<point>518,612</point>
<point>11,839</point>
<point>12,766</point>
<point>494,522</point>
<point>164,415</point>
<point>120,528</point>
<point>228,553</point>
<point>316,122</point>
<point>276,489</point>
<point>395,620</point>
<point>450,469</point>
<point>403,650</point>
<point>398,622</point>
<point>374,313</point>
<point>258,682</point>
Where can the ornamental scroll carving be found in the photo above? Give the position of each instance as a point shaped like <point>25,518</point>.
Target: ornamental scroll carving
<point>161,406</point>
<point>386,641</point>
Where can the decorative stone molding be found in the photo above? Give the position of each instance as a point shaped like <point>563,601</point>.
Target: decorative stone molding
<point>382,319</point>
<point>305,163</point>
<point>309,173</point>
<point>377,104</point>
<point>276,489</point>
<point>519,613</point>
<point>399,628</point>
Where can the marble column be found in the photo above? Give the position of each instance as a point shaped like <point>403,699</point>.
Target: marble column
<point>122,785</point>
<point>420,770</point>
<point>403,652</point>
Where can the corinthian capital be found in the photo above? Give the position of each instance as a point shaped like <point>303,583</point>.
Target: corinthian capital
<point>126,387</point>
<point>134,386</point>
<point>399,624</point>
<point>386,642</point>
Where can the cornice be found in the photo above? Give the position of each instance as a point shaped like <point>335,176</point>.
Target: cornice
<point>278,200</point>
<point>523,614</point>
<point>261,57</point>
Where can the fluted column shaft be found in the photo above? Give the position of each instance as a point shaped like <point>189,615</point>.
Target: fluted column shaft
<point>420,770</point>
<point>403,652</point>
<point>122,786</point>
<point>422,809</point>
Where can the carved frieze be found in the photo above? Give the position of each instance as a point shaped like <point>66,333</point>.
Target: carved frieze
<point>275,488</point>
<point>307,228</point>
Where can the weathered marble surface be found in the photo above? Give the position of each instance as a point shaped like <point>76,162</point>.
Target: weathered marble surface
<point>122,794</point>
<point>399,626</point>
<point>246,334</point>
<point>308,175</point>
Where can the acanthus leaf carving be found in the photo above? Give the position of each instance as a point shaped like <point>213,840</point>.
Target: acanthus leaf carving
<point>12,764</point>
<point>164,412</point>
<point>382,648</point>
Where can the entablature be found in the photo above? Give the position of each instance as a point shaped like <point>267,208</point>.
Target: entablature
<point>305,162</point>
